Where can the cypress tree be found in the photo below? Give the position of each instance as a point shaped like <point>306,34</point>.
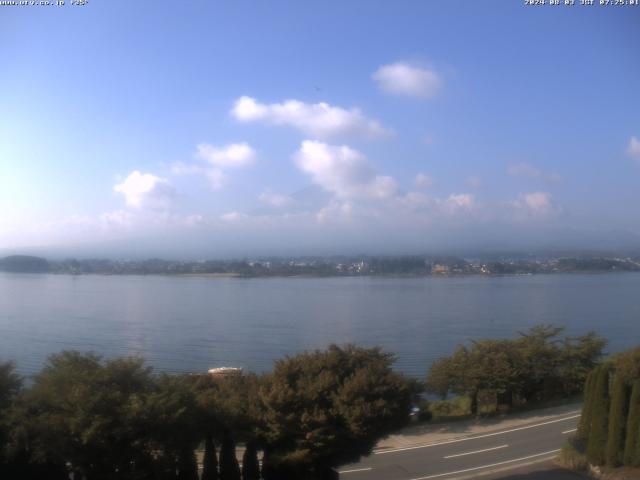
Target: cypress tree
<point>210,460</point>
<point>187,465</point>
<point>597,441</point>
<point>229,468</point>
<point>250,465</point>
<point>632,445</point>
<point>587,405</point>
<point>617,421</point>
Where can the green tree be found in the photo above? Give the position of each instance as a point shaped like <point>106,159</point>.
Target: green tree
<point>440,377</point>
<point>617,421</point>
<point>587,406</point>
<point>229,468</point>
<point>230,407</point>
<point>250,464</point>
<point>540,357</point>
<point>187,464</point>
<point>627,364</point>
<point>488,365</point>
<point>326,408</point>
<point>172,422</point>
<point>578,357</point>
<point>596,444</point>
<point>631,455</point>
<point>85,411</point>
<point>210,460</point>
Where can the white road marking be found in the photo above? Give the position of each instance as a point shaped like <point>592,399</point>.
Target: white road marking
<point>355,470</point>
<point>384,452</point>
<point>477,451</point>
<point>571,431</point>
<point>487,466</point>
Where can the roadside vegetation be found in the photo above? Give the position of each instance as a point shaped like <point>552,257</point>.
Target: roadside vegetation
<point>608,435</point>
<point>497,375</point>
<point>107,419</point>
<point>114,419</point>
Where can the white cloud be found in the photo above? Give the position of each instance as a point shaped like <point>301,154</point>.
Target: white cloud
<point>233,216</point>
<point>461,201</point>
<point>319,120</point>
<point>215,176</point>
<point>633,150</point>
<point>523,169</point>
<point>536,204</point>
<point>402,78</point>
<point>342,171</point>
<point>230,156</point>
<point>423,180</point>
<point>145,189</point>
<point>274,199</point>
<point>234,155</point>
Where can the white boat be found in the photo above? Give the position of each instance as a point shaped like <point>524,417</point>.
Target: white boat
<point>225,371</point>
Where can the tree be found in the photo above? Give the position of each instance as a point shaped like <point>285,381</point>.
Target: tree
<point>229,468</point>
<point>440,377</point>
<point>587,407</point>
<point>627,364</point>
<point>85,411</point>
<point>210,461</point>
<point>597,441</point>
<point>539,360</point>
<point>537,366</point>
<point>187,464</point>
<point>488,365</point>
<point>10,384</point>
<point>617,420</point>
<point>578,357</point>
<point>250,464</point>
<point>326,408</point>
<point>631,455</point>
<point>172,421</point>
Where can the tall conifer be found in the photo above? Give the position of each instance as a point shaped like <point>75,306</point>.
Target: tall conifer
<point>229,468</point>
<point>631,455</point>
<point>617,421</point>
<point>210,461</point>
<point>587,405</point>
<point>250,465</point>
<point>597,442</point>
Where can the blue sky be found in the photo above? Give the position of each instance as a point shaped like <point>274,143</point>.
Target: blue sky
<point>241,127</point>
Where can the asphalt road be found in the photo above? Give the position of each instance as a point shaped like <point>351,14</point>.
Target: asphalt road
<point>467,457</point>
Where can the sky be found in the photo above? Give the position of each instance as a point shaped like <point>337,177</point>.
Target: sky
<point>219,128</point>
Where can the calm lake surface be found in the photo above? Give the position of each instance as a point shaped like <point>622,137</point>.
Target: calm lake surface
<point>190,324</point>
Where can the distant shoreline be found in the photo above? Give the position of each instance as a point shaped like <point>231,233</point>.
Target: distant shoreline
<point>357,266</point>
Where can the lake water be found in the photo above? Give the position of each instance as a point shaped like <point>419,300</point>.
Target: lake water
<point>189,324</point>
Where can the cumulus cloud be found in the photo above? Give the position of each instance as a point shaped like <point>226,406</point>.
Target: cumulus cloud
<point>274,199</point>
<point>233,216</point>
<point>343,171</point>
<point>145,189</point>
<point>524,169</point>
<point>319,120</point>
<point>633,149</point>
<point>230,156</point>
<point>402,78</point>
<point>218,159</point>
<point>423,180</point>
<point>461,200</point>
<point>536,204</point>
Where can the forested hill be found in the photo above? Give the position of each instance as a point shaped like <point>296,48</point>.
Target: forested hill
<point>24,264</point>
